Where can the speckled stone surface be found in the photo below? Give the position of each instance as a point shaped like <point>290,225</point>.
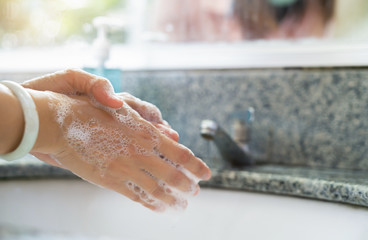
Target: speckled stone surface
<point>317,118</point>
<point>330,185</point>
<point>30,167</point>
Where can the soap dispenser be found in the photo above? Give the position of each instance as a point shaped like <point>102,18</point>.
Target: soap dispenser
<point>101,45</point>
<point>101,52</point>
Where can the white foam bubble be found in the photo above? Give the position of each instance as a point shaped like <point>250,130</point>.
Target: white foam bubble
<point>186,172</point>
<point>144,196</point>
<point>180,198</point>
<point>96,143</point>
<point>181,202</point>
<point>149,111</point>
<point>179,205</point>
<point>62,108</point>
<point>99,144</point>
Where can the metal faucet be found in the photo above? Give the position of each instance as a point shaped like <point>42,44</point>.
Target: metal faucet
<point>236,150</point>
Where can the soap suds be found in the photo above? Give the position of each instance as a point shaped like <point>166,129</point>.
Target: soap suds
<point>188,174</point>
<point>144,196</point>
<point>62,107</point>
<point>96,144</point>
<point>147,110</point>
<point>99,145</point>
<point>180,203</point>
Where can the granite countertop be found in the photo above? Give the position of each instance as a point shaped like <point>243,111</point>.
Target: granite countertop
<point>344,186</point>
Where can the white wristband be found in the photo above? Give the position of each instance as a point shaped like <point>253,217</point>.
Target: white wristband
<point>30,118</point>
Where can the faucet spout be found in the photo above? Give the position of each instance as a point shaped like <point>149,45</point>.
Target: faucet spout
<point>227,147</point>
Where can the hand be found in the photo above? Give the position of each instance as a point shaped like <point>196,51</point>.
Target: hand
<point>117,149</point>
<point>78,82</point>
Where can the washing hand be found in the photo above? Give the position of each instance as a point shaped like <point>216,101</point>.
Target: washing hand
<point>117,149</point>
<point>116,140</point>
<point>78,82</point>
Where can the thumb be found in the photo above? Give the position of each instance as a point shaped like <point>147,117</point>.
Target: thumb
<point>103,92</point>
<point>77,81</point>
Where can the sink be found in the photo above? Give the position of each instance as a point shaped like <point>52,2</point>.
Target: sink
<point>74,209</point>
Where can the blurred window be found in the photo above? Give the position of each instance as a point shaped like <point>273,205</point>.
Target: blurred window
<point>153,33</point>
<point>47,23</point>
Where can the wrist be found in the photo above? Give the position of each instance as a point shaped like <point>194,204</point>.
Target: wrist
<point>48,139</point>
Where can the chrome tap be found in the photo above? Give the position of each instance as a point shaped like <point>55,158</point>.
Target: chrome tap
<point>236,150</point>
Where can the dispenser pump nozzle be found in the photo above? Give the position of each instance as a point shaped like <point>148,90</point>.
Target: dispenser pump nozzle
<point>101,45</point>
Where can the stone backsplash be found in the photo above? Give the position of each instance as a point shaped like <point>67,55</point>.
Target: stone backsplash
<point>305,117</point>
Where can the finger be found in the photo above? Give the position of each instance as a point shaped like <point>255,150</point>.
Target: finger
<point>147,110</point>
<point>166,123</point>
<point>115,182</point>
<point>147,190</point>
<point>181,155</point>
<point>100,88</point>
<point>148,167</point>
<point>103,92</point>
<point>160,168</point>
<point>73,81</point>
<point>164,129</point>
<point>149,185</point>
<point>134,192</point>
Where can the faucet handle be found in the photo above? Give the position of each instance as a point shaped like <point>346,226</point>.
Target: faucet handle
<point>250,115</point>
<point>247,116</point>
<point>240,131</point>
<point>241,126</point>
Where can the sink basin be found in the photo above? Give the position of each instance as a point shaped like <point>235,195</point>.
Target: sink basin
<point>74,209</point>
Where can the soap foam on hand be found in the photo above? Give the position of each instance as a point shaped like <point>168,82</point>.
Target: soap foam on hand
<point>98,145</point>
<point>124,115</point>
<point>146,110</point>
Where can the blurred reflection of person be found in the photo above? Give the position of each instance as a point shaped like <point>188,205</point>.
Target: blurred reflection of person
<point>235,20</point>
<point>283,18</point>
<point>196,20</point>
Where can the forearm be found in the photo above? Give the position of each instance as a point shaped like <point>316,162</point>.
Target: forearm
<point>11,120</point>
